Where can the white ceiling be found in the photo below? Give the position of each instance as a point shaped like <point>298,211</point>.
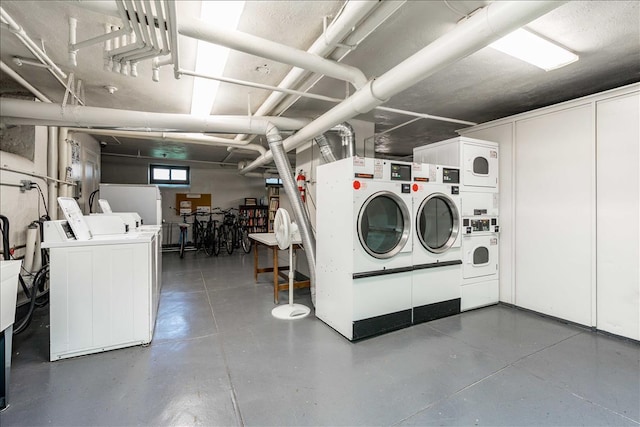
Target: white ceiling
<point>484,86</point>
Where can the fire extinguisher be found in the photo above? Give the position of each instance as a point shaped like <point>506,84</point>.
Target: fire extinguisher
<point>300,179</point>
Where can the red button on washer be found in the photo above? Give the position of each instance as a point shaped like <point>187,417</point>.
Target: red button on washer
<point>356,185</point>
<point>415,187</point>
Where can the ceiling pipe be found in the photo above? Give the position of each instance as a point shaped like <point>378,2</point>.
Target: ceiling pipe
<point>479,30</point>
<point>18,78</point>
<point>348,18</point>
<point>360,32</point>
<point>85,117</point>
<point>247,43</point>
<point>187,138</point>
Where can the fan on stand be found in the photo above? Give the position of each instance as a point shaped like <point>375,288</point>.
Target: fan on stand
<point>285,230</point>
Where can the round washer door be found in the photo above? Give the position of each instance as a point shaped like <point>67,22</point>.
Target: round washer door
<point>384,224</point>
<point>438,223</point>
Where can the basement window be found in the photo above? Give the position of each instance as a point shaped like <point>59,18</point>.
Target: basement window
<point>169,175</point>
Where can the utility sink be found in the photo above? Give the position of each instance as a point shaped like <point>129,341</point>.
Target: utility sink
<point>8,292</point>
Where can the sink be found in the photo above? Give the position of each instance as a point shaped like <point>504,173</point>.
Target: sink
<point>8,292</point>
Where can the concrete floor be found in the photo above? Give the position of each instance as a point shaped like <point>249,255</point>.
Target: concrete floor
<point>219,358</point>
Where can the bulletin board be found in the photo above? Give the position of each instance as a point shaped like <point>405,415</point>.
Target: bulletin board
<point>189,202</point>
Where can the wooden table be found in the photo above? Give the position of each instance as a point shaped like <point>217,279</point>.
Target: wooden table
<point>269,240</point>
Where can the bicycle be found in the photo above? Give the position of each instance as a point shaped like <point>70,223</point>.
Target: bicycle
<point>225,230</point>
<point>241,234</point>
<point>203,234</point>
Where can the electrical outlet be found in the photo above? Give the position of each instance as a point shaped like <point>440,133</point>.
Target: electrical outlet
<point>25,185</point>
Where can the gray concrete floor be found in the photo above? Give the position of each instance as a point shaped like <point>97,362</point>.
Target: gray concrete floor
<point>219,358</point>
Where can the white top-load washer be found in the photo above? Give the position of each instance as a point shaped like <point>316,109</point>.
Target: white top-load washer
<point>437,257</point>
<point>364,246</point>
<point>104,289</point>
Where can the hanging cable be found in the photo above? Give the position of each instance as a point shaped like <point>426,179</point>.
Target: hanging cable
<point>91,197</point>
<point>46,209</point>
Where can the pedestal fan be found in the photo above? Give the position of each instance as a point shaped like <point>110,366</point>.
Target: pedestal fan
<point>284,230</point>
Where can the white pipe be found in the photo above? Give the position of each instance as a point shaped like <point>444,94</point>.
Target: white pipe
<point>27,263</point>
<point>372,21</point>
<point>189,138</point>
<point>19,31</point>
<point>18,78</point>
<point>24,172</point>
<point>484,27</point>
<point>37,254</point>
<point>73,49</point>
<point>82,116</point>
<point>63,155</point>
<point>52,170</point>
<point>247,43</point>
<point>170,6</point>
<point>352,14</point>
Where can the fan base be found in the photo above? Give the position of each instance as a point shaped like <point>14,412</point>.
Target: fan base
<point>290,311</point>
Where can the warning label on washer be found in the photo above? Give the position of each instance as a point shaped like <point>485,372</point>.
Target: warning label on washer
<point>358,161</point>
<point>377,169</point>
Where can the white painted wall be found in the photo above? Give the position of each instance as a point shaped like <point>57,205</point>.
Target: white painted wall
<point>618,215</point>
<point>550,167</point>
<point>227,188</point>
<point>23,208</point>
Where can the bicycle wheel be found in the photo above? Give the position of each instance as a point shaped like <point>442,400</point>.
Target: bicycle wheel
<point>208,242</point>
<point>215,242</point>
<point>222,237</point>
<point>183,241</point>
<point>246,241</point>
<point>229,240</point>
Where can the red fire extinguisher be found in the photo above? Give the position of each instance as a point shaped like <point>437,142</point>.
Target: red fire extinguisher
<point>300,179</point>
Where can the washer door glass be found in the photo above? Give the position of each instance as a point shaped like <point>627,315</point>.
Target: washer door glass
<point>383,225</point>
<point>438,223</point>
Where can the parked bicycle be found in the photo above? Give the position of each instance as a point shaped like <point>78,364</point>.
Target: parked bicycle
<point>204,233</point>
<point>241,234</point>
<point>225,229</point>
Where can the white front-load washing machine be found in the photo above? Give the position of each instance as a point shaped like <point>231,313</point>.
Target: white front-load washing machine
<point>437,257</point>
<point>364,246</point>
<point>480,274</point>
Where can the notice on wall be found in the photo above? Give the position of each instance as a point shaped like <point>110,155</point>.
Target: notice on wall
<point>187,203</point>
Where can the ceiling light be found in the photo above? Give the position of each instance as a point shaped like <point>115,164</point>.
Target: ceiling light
<point>211,58</point>
<point>534,49</point>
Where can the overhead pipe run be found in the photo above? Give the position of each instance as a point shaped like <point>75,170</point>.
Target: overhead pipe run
<point>479,30</point>
<point>284,169</point>
<point>247,43</point>
<point>187,138</point>
<point>83,117</point>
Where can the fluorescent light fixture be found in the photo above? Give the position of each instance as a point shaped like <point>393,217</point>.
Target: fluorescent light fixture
<point>534,49</point>
<point>211,58</point>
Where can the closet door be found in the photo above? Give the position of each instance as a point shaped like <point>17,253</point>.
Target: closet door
<point>618,161</point>
<point>554,202</point>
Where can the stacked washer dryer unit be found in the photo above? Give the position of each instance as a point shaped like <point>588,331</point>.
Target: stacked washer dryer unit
<point>437,264</point>
<point>364,246</point>
<point>478,161</point>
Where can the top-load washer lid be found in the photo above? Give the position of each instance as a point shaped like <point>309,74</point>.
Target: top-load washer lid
<point>384,224</point>
<point>438,223</point>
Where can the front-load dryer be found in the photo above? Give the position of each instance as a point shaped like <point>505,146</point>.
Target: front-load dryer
<point>364,246</point>
<point>480,274</point>
<point>437,264</point>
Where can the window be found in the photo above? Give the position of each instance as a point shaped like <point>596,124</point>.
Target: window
<point>169,175</point>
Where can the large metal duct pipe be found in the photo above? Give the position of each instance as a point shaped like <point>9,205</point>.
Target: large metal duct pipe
<point>348,139</point>
<point>325,149</point>
<point>479,30</point>
<point>284,169</point>
<point>82,116</point>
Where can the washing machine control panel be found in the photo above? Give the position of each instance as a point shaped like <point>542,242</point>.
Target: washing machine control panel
<point>450,176</point>
<point>480,225</point>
